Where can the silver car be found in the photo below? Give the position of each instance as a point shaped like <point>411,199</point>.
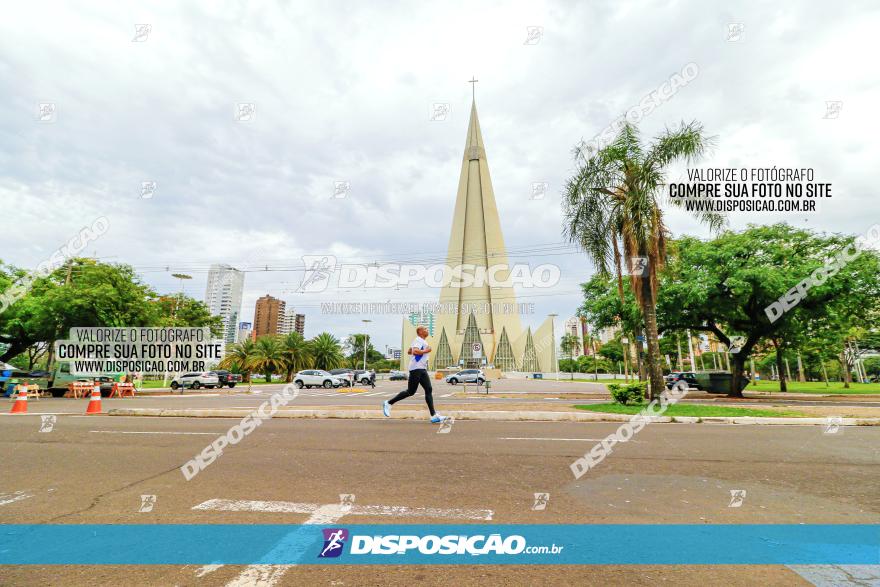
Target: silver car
<point>467,376</point>
<point>316,378</point>
<point>195,380</point>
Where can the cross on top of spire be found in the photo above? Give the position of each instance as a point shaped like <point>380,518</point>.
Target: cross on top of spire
<point>473,81</point>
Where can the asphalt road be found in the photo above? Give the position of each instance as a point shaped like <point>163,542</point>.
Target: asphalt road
<point>95,470</point>
<point>504,392</point>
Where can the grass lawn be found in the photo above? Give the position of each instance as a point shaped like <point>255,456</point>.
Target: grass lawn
<point>693,410</point>
<point>816,387</point>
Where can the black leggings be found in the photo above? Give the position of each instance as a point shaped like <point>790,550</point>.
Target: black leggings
<point>417,377</point>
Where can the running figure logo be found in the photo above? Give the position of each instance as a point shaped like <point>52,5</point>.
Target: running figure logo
<point>316,274</point>
<point>334,541</point>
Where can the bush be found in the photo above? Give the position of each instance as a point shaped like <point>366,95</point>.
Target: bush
<point>628,392</point>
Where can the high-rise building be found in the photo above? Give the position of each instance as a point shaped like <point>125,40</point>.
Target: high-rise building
<point>223,298</point>
<point>293,322</point>
<point>573,327</point>
<point>608,334</point>
<point>268,316</point>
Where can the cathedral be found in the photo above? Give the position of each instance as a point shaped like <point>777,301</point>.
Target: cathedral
<point>478,324</point>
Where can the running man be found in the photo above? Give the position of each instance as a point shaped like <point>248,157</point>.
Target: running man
<point>418,375</point>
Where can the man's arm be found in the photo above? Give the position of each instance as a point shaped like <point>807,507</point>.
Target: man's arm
<point>423,351</point>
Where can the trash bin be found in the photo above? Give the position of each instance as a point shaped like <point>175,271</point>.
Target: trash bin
<point>718,381</point>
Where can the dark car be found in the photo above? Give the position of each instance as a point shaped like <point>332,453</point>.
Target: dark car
<point>688,377</point>
<point>398,376</point>
<point>227,378</point>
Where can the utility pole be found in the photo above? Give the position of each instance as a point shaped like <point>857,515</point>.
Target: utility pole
<point>181,277</point>
<point>691,350</point>
<point>678,344</point>
<point>366,341</point>
<point>553,338</point>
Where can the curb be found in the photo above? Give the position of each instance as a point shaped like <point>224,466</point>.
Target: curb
<point>488,416</point>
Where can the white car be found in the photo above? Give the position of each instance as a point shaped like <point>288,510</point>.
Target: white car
<point>196,380</point>
<point>316,378</point>
<point>467,376</point>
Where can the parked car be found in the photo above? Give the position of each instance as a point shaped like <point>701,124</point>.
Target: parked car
<point>467,376</point>
<point>357,375</point>
<point>316,378</point>
<point>346,375</point>
<point>207,379</point>
<point>227,378</point>
<point>688,377</point>
<point>398,376</point>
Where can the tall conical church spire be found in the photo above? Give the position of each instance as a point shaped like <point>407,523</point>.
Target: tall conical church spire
<point>476,243</point>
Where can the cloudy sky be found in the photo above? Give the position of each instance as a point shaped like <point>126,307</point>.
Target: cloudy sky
<point>344,92</point>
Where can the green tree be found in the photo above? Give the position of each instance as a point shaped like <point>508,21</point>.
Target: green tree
<point>725,286</point>
<point>296,352</point>
<point>82,293</point>
<point>238,358</point>
<point>326,352</point>
<point>568,345</point>
<point>612,350</point>
<point>268,356</point>
<point>179,310</point>
<point>354,349</point>
<point>88,293</point>
<point>615,194</point>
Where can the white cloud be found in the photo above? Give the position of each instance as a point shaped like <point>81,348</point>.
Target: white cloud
<point>343,93</point>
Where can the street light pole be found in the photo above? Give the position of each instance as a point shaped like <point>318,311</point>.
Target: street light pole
<point>181,277</point>
<point>366,342</point>
<point>553,338</point>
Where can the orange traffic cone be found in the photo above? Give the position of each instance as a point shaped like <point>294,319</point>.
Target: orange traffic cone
<point>20,405</point>
<point>95,401</point>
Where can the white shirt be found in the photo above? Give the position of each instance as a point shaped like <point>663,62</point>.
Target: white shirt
<point>418,361</point>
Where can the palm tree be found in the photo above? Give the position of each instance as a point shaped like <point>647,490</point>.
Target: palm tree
<point>615,194</point>
<point>296,353</point>
<point>326,353</point>
<point>238,358</point>
<point>268,356</point>
<point>569,345</point>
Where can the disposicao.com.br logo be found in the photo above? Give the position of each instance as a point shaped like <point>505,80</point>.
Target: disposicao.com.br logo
<point>453,544</point>
<point>322,271</point>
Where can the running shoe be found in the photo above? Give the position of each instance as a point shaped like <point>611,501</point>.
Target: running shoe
<point>437,418</point>
<point>386,409</point>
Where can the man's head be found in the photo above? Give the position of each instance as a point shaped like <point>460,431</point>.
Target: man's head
<point>422,332</point>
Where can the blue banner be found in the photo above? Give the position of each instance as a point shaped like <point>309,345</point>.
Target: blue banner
<point>420,544</point>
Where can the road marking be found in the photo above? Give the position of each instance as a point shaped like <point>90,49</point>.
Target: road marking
<point>158,432</point>
<point>205,569</point>
<point>565,439</point>
<point>289,507</point>
<point>832,575</point>
<point>268,575</point>
<point>262,575</point>
<point>13,497</point>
